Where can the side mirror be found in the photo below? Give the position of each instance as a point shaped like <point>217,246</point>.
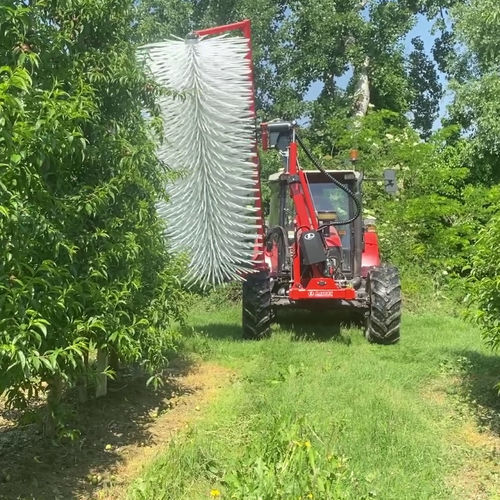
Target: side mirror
<point>276,134</point>
<point>390,182</point>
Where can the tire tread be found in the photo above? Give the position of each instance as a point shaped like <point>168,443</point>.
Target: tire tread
<point>384,320</point>
<point>256,307</point>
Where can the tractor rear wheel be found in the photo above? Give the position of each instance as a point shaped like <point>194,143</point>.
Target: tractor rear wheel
<point>384,318</point>
<point>256,318</point>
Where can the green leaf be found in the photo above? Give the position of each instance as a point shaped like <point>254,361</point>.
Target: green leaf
<point>41,325</point>
<point>15,158</point>
<point>22,359</point>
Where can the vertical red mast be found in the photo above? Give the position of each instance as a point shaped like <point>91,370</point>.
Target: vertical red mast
<point>245,27</point>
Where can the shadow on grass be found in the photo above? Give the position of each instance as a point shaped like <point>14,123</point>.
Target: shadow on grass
<point>32,466</point>
<point>304,325</point>
<point>319,325</point>
<point>481,374</point>
<point>220,331</point>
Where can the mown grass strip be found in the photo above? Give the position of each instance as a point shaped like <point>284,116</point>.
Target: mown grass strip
<point>313,415</point>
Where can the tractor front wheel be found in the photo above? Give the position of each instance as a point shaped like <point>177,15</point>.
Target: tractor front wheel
<point>384,318</point>
<point>256,318</point>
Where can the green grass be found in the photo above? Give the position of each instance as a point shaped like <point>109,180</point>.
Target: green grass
<point>317,412</point>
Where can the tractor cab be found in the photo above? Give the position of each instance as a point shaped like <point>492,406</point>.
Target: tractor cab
<point>331,204</point>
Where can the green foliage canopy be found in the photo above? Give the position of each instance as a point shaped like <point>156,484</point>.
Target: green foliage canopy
<point>301,43</point>
<point>477,107</point>
<point>83,262</point>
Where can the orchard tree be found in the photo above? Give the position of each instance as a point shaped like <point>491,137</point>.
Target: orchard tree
<point>159,19</point>
<point>486,279</point>
<point>476,108</point>
<point>83,264</point>
<point>476,67</point>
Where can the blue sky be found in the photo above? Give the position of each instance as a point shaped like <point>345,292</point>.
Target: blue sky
<point>422,29</point>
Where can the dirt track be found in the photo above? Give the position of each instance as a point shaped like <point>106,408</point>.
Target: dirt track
<point>118,435</point>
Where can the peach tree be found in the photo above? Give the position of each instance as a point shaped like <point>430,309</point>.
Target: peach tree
<point>83,263</point>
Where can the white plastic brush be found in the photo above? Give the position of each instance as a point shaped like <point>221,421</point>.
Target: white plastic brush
<point>209,140</point>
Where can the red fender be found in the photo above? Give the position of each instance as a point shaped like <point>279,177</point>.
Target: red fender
<point>371,254</point>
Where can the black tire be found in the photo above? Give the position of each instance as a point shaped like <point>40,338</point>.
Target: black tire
<point>384,318</point>
<point>256,317</point>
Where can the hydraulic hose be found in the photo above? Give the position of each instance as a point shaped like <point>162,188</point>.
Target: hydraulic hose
<point>336,182</point>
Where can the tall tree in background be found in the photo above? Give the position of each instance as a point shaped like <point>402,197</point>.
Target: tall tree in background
<point>301,43</point>
<point>475,68</point>
<point>427,91</point>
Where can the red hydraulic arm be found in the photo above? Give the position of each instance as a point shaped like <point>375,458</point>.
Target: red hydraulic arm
<point>316,286</point>
<point>299,191</point>
<point>305,218</point>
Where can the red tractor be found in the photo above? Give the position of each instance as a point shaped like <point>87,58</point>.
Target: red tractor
<point>318,250</point>
<point>315,251</point>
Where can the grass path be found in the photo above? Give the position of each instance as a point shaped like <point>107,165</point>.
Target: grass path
<point>311,415</point>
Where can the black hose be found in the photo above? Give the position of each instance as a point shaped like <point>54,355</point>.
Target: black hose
<point>336,182</point>
<point>283,252</point>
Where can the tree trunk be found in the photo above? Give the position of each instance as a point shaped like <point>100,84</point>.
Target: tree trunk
<point>362,92</point>
<point>54,395</point>
<point>114,361</point>
<point>101,388</point>
<point>82,384</point>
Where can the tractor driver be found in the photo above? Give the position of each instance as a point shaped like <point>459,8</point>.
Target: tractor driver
<point>330,198</point>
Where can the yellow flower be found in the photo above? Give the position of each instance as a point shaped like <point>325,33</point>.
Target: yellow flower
<point>309,495</point>
<point>307,444</point>
<point>214,493</point>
